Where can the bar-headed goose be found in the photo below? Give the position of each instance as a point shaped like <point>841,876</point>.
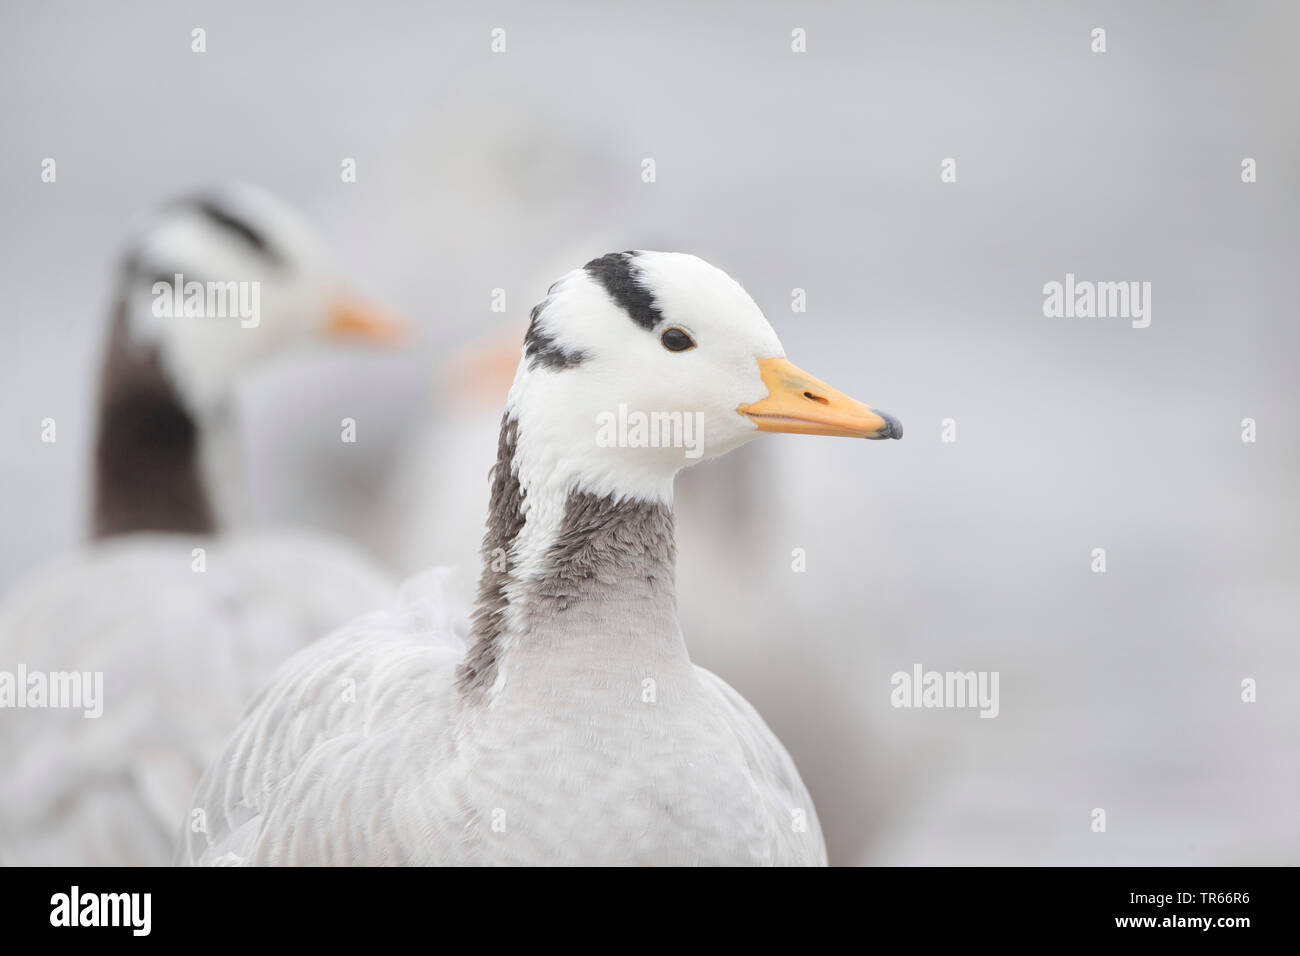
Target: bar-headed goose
<point>574,728</point>
<point>171,618</point>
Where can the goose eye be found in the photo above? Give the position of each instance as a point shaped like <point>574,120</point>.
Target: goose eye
<point>675,340</point>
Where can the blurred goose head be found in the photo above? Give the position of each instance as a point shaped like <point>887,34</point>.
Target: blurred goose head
<point>223,279</point>
<point>215,284</point>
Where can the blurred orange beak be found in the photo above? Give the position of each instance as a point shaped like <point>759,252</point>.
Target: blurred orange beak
<point>351,319</point>
<point>481,372</point>
<point>802,405</point>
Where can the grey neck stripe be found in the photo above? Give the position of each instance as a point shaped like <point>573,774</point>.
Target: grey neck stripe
<point>147,446</point>
<point>606,551</point>
<point>611,562</point>
<point>504,522</point>
<point>616,273</point>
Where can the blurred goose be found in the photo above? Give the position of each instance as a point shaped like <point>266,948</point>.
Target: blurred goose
<point>182,615</point>
<point>574,728</point>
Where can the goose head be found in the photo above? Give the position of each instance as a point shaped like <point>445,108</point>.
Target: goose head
<point>215,284</point>
<point>642,363</point>
<point>264,281</point>
<point>633,367</point>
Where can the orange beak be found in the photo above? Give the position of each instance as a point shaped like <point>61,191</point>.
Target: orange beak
<point>352,319</point>
<point>802,405</point>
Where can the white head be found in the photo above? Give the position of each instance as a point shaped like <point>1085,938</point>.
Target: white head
<point>641,363</point>
<point>264,282</point>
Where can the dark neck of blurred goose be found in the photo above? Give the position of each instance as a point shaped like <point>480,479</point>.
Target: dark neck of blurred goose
<point>148,475</point>
<point>599,591</point>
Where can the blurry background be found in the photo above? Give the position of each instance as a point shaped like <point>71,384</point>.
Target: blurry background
<point>818,171</point>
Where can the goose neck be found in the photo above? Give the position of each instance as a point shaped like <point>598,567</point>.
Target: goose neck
<point>576,583</point>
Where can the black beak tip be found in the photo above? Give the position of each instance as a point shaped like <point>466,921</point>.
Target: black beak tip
<point>893,427</point>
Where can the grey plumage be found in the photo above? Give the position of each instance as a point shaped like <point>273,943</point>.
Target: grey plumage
<point>604,550</point>
<point>505,519</point>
